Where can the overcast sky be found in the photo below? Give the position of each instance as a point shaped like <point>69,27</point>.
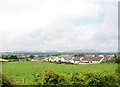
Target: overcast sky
<point>61,25</point>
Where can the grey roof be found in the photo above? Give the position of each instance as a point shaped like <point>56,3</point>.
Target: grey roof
<point>21,57</point>
<point>67,58</point>
<point>76,59</point>
<point>106,58</point>
<point>38,58</point>
<point>91,58</point>
<point>97,58</point>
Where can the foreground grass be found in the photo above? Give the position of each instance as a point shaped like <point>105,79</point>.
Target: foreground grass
<point>22,72</point>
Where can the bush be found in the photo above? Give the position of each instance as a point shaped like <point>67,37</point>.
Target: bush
<point>103,79</point>
<point>115,59</point>
<point>7,82</point>
<point>49,78</point>
<point>90,78</point>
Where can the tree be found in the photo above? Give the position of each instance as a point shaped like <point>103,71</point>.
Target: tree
<point>5,57</point>
<point>13,57</point>
<point>31,56</point>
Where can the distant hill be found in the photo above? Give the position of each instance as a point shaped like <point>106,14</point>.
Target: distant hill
<point>28,51</point>
<point>85,51</point>
<point>51,51</point>
<point>56,52</point>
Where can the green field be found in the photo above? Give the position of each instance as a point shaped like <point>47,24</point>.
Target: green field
<point>22,72</point>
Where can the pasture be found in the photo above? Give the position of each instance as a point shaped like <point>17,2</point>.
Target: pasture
<point>22,72</point>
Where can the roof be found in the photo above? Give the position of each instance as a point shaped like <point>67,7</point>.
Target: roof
<point>91,58</point>
<point>67,58</point>
<point>38,58</point>
<point>97,58</point>
<point>106,58</point>
<point>76,59</point>
<point>21,57</point>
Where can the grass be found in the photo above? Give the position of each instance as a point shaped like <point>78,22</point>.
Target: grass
<point>22,72</point>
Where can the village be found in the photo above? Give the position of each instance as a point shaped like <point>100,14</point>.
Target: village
<point>91,59</point>
<point>72,59</point>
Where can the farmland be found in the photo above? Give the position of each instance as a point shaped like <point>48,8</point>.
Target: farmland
<point>22,72</point>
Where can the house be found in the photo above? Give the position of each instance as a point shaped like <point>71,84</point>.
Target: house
<point>53,59</point>
<point>21,58</point>
<point>62,59</point>
<point>101,55</point>
<point>38,58</point>
<point>87,60</point>
<point>71,60</point>
<point>92,59</point>
<point>97,59</point>
<point>106,57</point>
<point>68,59</point>
<point>49,59</point>
<point>76,60</point>
<point>32,60</point>
<point>57,59</point>
<point>45,59</point>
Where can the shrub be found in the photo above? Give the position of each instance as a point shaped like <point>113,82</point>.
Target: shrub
<point>7,82</point>
<point>49,78</point>
<point>77,79</point>
<point>90,78</point>
<point>98,79</point>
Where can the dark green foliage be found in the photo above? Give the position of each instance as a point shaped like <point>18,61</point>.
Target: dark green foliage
<point>13,57</point>
<point>113,60</point>
<point>31,56</point>
<point>7,82</point>
<point>77,79</point>
<point>9,57</point>
<point>5,57</point>
<point>79,55</point>
<point>49,78</point>
<point>103,79</point>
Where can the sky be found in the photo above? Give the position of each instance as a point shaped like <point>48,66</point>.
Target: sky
<point>61,25</point>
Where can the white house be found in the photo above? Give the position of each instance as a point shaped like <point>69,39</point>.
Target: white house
<point>57,59</point>
<point>71,60</point>
<point>101,55</point>
<point>32,60</point>
<point>62,59</point>
<point>49,59</point>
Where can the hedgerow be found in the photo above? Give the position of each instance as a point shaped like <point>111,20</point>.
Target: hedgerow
<point>89,78</point>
